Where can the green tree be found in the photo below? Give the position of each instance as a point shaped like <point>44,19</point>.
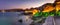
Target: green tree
<point>45,14</point>
<point>58,13</point>
<point>51,13</point>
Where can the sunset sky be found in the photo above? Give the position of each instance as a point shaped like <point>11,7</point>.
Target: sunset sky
<point>10,4</point>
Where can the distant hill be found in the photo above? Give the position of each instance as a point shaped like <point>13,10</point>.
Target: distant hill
<point>14,10</point>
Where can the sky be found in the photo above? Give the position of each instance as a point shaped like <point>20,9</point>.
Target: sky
<point>12,4</point>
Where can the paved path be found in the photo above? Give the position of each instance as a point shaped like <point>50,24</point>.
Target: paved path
<point>49,21</point>
<point>57,20</point>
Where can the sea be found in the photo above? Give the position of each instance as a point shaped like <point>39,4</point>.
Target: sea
<point>12,18</point>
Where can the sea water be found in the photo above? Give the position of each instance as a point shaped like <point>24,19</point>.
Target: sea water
<point>11,18</point>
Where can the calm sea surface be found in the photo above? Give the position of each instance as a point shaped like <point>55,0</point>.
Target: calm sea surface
<point>11,18</point>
